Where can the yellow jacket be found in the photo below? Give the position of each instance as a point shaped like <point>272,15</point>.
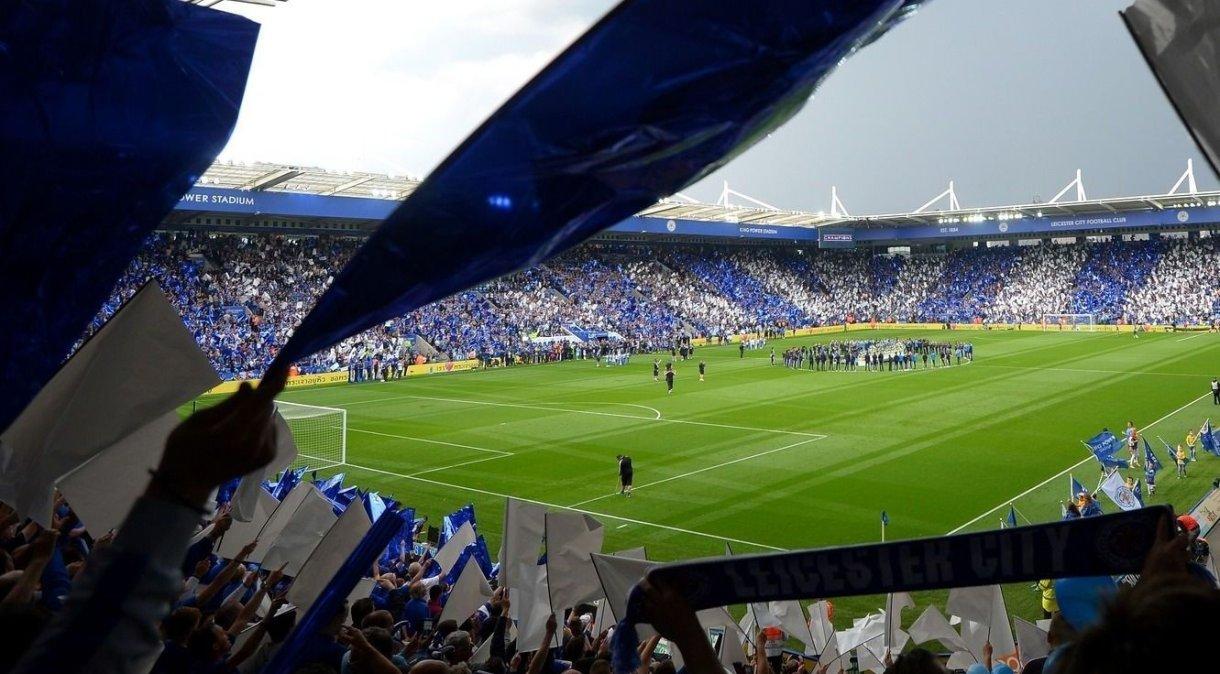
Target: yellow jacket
<point>1191,439</point>
<point>1049,603</point>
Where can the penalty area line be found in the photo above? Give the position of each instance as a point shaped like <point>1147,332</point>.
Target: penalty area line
<point>563,507</point>
<point>1067,470</point>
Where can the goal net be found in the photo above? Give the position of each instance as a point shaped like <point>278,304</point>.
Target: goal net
<point>320,433</point>
<point>1076,322</point>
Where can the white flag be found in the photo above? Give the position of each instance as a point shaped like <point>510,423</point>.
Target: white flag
<point>451,551</point>
<point>240,533</point>
<point>1119,492</point>
<point>871,626</point>
<point>140,366</point>
<point>469,593</point>
<point>931,625</point>
<point>304,529</point>
<point>245,499</point>
<point>820,627</point>
<point>895,638</point>
<point>731,650</point>
<point>570,539</point>
<point>102,491</point>
<point>1180,39</point>
<point>329,555</point>
<point>524,529</point>
<point>535,608</point>
<point>831,656</point>
<point>1031,641</point>
<point>791,618</point>
<point>993,628</point>
<point>617,576</point>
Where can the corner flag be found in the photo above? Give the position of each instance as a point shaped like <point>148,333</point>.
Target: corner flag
<point>1011,520</point>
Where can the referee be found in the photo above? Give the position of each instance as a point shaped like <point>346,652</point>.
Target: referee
<point>625,474</point>
<point>1215,391</point>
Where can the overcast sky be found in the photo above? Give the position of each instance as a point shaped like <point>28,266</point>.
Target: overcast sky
<point>1006,98</point>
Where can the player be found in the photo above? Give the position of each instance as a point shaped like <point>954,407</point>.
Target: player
<point>669,378</point>
<point>656,369</point>
<point>773,355</point>
<point>702,368</point>
<point>625,474</point>
<point>1132,445</point>
<point>741,351</point>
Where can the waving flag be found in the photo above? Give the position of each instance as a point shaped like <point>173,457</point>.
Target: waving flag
<point>1104,446</point>
<point>1207,439</point>
<point>111,110</point>
<point>1076,487</point>
<point>1150,461</point>
<point>1169,449</point>
<point>1011,520</point>
<point>1138,491</point>
<point>655,96</point>
<point>1122,496</point>
<point>885,519</point>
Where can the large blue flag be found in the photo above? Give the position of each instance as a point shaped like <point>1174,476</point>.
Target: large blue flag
<point>655,96</point>
<point>1104,442</point>
<point>1169,449</point>
<point>109,112</point>
<point>1150,461</point>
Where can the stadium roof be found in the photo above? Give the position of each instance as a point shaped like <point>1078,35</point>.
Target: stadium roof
<point>261,176</point>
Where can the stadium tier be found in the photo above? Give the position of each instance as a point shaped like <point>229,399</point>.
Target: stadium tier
<point>240,294</point>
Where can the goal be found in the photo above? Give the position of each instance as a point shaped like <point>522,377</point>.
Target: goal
<point>320,433</point>
<point>1076,322</point>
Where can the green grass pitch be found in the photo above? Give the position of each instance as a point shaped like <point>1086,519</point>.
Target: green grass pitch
<point>767,458</point>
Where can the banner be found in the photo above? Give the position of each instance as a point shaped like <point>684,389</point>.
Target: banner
<point>442,367</point>
<point>299,381</point>
<point>1103,545</point>
<point>655,96</point>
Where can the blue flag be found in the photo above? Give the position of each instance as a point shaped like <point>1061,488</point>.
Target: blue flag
<point>452,522</point>
<point>655,96</point>
<point>885,519</point>
<point>1138,490</point>
<point>1109,460</point>
<point>1169,449</point>
<point>1207,439</point>
<point>1150,461</point>
<point>1011,520</point>
<point>109,111</point>
<point>1104,443</point>
<point>1076,487</point>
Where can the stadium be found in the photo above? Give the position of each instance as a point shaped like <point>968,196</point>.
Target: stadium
<point>519,431</point>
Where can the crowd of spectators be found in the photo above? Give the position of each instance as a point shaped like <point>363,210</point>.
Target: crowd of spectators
<point>241,295</point>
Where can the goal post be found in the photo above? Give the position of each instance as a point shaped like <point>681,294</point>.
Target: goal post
<point>320,433</point>
<point>1074,322</point>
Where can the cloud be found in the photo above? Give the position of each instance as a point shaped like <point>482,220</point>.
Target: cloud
<point>388,85</point>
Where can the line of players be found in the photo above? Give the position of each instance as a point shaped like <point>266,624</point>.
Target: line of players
<point>877,355</point>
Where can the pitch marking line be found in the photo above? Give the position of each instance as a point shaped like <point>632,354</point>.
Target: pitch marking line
<point>600,414</point>
<point>430,441</point>
<point>1184,339</point>
<point>1069,469</point>
<point>563,507</point>
<point>701,470</point>
<point>654,410</point>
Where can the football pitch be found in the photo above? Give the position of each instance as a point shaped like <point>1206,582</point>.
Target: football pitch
<point>764,458</point>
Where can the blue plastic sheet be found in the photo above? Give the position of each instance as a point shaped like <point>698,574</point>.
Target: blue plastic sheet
<point>656,95</point>
<point>109,111</point>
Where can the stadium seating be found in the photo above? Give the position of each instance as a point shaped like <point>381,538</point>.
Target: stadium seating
<point>240,295</point>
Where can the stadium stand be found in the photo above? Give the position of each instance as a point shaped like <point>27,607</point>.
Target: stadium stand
<point>240,294</point>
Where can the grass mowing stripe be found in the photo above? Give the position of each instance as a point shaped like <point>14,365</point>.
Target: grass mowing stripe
<point>1067,470</point>
<point>563,507</point>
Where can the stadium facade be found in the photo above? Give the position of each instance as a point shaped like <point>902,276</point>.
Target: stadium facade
<point>286,200</point>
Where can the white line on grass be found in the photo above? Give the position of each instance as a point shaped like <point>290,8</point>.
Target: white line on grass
<point>430,441</point>
<point>643,407</point>
<point>562,507</point>
<point>701,470</point>
<point>463,463</point>
<point>1069,469</point>
<point>1190,337</point>
<point>600,414</point>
